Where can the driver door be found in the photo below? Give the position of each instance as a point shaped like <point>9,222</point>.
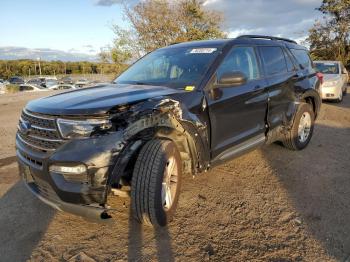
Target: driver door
<point>237,113</point>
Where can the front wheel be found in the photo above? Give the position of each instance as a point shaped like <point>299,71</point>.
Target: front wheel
<point>299,136</point>
<point>156,182</point>
<point>340,98</point>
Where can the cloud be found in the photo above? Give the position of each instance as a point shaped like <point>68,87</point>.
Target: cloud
<point>282,18</point>
<point>290,18</point>
<point>47,54</point>
<point>108,2</point>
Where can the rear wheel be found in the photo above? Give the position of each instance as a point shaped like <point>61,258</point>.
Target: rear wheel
<point>299,136</point>
<point>156,182</point>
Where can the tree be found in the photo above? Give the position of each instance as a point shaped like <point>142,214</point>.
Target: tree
<point>158,23</point>
<point>330,39</point>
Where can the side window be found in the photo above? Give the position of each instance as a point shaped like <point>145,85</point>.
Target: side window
<point>273,59</point>
<point>290,65</point>
<point>240,59</point>
<point>302,57</point>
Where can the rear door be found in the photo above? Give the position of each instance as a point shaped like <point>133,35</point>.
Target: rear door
<point>283,78</point>
<point>237,113</point>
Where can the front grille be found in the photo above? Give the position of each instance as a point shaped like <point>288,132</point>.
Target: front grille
<point>33,161</point>
<point>42,134</point>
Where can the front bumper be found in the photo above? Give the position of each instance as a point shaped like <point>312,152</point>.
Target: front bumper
<point>86,198</point>
<point>330,92</point>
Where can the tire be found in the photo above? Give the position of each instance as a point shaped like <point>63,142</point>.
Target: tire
<point>292,139</point>
<point>345,92</point>
<point>148,202</point>
<point>340,99</point>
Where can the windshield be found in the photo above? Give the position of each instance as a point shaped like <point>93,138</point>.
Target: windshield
<point>50,83</point>
<point>327,68</point>
<point>172,67</point>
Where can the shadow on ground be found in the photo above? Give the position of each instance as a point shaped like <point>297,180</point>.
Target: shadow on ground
<point>23,222</point>
<point>136,242</point>
<point>320,186</point>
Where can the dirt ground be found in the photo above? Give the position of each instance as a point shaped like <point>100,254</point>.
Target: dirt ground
<point>269,205</point>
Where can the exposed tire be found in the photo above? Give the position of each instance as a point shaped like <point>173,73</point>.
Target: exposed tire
<point>295,139</point>
<point>157,164</point>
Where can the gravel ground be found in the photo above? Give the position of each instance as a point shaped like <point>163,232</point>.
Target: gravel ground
<point>269,205</point>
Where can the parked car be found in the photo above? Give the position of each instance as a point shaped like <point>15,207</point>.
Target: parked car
<point>35,82</point>
<point>51,84</point>
<point>16,80</point>
<point>31,88</point>
<point>335,79</point>
<point>66,80</point>
<point>82,83</point>
<point>178,111</point>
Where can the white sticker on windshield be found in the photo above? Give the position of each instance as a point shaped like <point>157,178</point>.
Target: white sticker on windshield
<point>330,64</point>
<point>203,50</point>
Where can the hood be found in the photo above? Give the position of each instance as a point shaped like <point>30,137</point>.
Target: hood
<point>330,77</point>
<point>96,100</point>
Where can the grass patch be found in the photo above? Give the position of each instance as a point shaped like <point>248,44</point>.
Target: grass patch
<point>12,88</point>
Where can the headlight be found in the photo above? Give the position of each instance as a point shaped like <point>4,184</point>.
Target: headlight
<point>82,128</point>
<point>79,169</point>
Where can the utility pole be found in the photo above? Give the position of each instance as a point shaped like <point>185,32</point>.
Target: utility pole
<point>39,66</point>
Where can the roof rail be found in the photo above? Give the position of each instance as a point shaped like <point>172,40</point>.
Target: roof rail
<point>268,37</point>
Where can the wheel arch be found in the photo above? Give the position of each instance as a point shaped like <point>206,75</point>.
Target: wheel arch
<point>313,98</point>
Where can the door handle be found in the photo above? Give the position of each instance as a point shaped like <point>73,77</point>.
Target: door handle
<point>257,87</point>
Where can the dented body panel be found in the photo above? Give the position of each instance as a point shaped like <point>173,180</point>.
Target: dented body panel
<point>209,125</point>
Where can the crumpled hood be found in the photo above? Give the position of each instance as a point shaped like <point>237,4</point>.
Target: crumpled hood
<point>96,100</point>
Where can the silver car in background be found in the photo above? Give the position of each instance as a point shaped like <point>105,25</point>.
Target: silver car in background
<point>335,79</point>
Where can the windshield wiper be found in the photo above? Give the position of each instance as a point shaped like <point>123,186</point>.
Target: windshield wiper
<point>141,83</point>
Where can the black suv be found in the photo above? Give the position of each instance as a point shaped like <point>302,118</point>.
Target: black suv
<point>179,110</point>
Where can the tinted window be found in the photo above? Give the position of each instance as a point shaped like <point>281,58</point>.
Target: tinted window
<point>26,88</point>
<point>290,64</point>
<point>302,57</point>
<point>240,59</point>
<point>273,59</point>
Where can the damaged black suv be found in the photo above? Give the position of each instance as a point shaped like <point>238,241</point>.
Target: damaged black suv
<point>178,111</point>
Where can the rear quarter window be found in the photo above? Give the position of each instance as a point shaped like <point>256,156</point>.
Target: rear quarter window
<point>302,58</point>
<point>273,60</point>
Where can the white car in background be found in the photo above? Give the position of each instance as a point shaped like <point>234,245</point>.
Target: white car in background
<point>31,88</point>
<point>335,79</point>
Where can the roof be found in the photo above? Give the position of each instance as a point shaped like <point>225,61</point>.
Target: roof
<point>244,39</point>
<point>327,61</point>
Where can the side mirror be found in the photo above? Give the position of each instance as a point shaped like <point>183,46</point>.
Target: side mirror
<point>229,79</point>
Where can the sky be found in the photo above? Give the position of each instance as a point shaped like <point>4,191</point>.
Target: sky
<point>84,26</point>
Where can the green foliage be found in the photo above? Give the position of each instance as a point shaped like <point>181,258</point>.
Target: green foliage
<point>12,88</point>
<point>26,68</point>
<point>330,39</point>
<point>159,23</point>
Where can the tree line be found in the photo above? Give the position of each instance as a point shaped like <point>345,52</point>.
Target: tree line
<point>329,38</point>
<point>158,23</point>
<point>27,68</point>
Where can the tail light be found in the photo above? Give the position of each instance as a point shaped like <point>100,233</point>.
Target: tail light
<point>320,77</point>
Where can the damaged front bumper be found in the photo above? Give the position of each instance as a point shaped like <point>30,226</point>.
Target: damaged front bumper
<point>85,194</point>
